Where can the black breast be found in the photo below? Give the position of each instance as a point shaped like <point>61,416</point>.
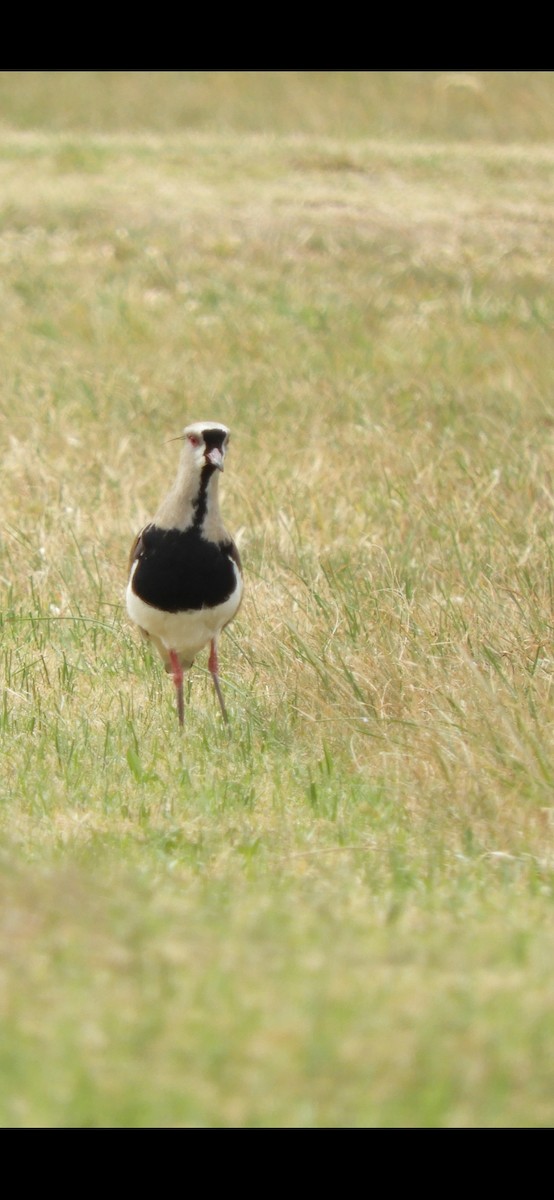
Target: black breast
<point>179,571</point>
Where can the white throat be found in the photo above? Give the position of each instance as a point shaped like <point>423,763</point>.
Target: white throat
<point>180,508</point>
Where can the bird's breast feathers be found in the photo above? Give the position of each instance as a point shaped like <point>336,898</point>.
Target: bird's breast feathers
<point>179,570</point>
<point>183,589</point>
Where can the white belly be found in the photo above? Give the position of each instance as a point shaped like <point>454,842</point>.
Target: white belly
<point>185,632</point>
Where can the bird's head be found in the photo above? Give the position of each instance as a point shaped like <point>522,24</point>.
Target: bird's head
<point>205,444</point>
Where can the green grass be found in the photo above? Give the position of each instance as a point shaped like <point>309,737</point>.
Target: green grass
<point>341,914</point>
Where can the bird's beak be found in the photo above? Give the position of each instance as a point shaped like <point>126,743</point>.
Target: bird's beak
<point>215,457</point>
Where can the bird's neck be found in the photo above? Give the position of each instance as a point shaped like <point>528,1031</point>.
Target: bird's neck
<point>193,501</point>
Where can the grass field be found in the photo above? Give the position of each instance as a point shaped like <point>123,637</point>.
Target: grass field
<point>343,913</point>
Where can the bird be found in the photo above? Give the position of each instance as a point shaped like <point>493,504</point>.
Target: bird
<point>185,580</point>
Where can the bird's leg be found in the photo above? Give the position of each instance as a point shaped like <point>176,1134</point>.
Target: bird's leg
<point>178,681</point>
<point>213,667</point>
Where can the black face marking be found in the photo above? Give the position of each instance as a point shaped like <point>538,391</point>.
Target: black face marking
<point>214,438</point>
<point>179,571</point>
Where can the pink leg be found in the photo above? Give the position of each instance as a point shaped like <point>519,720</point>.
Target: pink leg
<point>178,681</point>
<point>213,667</point>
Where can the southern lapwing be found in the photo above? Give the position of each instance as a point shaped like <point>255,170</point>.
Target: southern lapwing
<point>185,575</point>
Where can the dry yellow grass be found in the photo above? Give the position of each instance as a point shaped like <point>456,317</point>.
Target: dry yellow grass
<point>342,915</point>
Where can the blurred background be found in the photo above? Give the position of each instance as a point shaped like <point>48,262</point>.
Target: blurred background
<point>503,106</point>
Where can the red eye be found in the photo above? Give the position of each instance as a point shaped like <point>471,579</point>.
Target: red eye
<point>194,439</point>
